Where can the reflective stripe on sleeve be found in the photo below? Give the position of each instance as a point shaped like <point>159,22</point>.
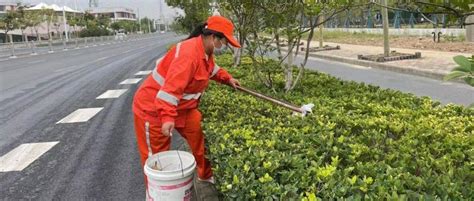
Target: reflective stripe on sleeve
<point>216,69</point>
<point>163,95</point>
<point>177,50</point>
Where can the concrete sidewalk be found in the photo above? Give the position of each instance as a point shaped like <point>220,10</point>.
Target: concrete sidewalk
<point>433,64</point>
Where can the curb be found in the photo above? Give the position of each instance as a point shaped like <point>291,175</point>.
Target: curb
<point>383,66</point>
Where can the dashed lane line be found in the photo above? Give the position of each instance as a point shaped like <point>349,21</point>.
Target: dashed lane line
<point>112,94</point>
<point>146,72</point>
<point>23,155</point>
<point>80,115</point>
<point>131,81</point>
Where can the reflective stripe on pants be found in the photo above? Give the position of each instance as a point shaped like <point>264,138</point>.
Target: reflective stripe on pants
<point>191,132</point>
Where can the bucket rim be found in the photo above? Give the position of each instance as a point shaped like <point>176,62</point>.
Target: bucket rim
<point>180,173</point>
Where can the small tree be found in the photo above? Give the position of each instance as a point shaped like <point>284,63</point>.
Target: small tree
<point>33,19</point>
<point>285,23</point>
<point>75,22</point>
<point>9,22</point>
<point>243,13</point>
<point>460,9</point>
<point>103,22</point>
<point>49,17</point>
<point>22,21</point>
<point>146,24</point>
<point>115,26</point>
<point>195,12</point>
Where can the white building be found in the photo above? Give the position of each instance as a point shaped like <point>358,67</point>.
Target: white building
<point>5,7</point>
<point>115,13</point>
<point>58,26</point>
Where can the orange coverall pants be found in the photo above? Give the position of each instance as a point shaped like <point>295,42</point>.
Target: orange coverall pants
<point>191,132</point>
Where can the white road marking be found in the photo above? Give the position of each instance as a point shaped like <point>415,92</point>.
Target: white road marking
<point>80,115</point>
<point>146,72</point>
<point>112,94</point>
<point>131,81</point>
<point>65,68</point>
<point>23,155</point>
<point>99,59</point>
<point>37,61</point>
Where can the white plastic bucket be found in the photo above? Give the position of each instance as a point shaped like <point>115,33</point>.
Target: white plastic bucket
<point>174,180</point>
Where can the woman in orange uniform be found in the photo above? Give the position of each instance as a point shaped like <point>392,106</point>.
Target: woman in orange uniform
<point>169,98</point>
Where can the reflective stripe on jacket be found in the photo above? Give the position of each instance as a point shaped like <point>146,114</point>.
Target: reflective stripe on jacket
<point>177,83</point>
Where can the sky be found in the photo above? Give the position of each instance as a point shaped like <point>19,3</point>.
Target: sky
<point>147,8</point>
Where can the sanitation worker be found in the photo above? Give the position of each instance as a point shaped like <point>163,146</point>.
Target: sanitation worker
<point>169,98</point>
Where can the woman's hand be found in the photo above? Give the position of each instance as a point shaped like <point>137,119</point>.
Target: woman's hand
<point>234,83</point>
<point>166,128</point>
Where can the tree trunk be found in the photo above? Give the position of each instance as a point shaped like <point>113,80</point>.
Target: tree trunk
<point>258,73</point>
<point>298,40</point>
<point>306,55</point>
<point>49,32</point>
<point>23,36</point>
<point>321,26</point>
<point>289,66</point>
<point>386,47</point>
<point>238,51</point>
<point>38,37</point>
<point>236,57</point>
<point>6,36</point>
<point>277,39</point>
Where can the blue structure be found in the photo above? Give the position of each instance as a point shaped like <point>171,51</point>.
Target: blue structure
<point>335,22</point>
<point>396,19</point>
<point>434,18</point>
<point>370,23</point>
<point>412,20</point>
<point>347,22</point>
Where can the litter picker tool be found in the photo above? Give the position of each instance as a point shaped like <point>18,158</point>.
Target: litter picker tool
<point>303,110</point>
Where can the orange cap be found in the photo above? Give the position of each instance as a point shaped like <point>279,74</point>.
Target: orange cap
<point>224,26</point>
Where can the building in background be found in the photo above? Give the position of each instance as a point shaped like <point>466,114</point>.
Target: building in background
<point>115,13</point>
<point>58,26</point>
<point>5,7</point>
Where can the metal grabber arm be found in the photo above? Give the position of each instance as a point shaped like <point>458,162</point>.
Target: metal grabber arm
<point>303,110</point>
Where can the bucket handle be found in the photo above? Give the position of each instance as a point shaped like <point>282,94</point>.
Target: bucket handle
<point>181,161</point>
<point>148,142</point>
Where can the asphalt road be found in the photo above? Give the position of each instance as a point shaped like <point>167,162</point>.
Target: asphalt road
<point>444,92</point>
<point>95,157</point>
<point>25,50</point>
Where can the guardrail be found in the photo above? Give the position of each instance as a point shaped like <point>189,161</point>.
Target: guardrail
<point>14,49</point>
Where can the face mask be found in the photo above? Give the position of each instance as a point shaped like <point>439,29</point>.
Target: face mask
<point>221,50</point>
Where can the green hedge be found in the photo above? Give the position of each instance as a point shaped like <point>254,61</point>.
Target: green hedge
<point>94,32</point>
<point>361,142</point>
